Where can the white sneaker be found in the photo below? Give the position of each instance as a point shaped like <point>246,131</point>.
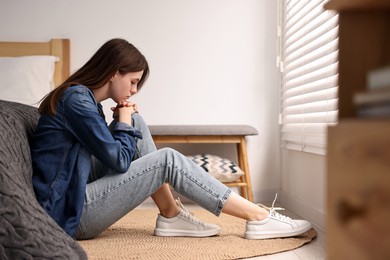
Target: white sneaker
<point>184,225</point>
<point>275,226</point>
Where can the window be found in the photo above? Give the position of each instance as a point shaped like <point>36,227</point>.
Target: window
<point>309,73</point>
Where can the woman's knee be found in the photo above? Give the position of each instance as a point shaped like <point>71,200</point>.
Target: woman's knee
<point>138,121</point>
<point>169,152</point>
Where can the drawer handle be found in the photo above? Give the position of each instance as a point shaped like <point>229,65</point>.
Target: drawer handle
<point>347,212</point>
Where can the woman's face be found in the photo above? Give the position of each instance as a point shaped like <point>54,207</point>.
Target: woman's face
<point>122,87</point>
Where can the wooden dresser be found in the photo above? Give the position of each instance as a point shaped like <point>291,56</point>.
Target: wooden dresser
<point>358,160</point>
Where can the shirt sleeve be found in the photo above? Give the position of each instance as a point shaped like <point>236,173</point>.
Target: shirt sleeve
<point>83,120</point>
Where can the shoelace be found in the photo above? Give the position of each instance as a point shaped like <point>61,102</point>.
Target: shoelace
<point>181,206</point>
<point>273,209</point>
<point>186,213</point>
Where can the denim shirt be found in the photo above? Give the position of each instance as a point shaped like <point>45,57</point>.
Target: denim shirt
<point>61,153</point>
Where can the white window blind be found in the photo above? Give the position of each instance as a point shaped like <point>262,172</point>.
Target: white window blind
<point>309,60</point>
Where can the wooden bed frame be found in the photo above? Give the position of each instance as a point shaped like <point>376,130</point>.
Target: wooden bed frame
<point>55,47</point>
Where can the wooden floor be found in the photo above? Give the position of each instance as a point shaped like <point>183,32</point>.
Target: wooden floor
<point>312,251</point>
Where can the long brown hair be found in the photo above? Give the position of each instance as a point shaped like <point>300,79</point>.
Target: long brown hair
<point>115,55</point>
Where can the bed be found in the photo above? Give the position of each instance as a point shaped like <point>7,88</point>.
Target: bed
<point>55,47</point>
<point>26,231</point>
<point>29,70</point>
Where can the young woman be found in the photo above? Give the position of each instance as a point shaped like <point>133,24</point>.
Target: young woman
<point>88,175</point>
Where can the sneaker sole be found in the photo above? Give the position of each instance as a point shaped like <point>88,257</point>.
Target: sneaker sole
<point>185,233</point>
<point>256,235</point>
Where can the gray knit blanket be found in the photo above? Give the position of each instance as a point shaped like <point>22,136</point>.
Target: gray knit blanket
<point>26,231</point>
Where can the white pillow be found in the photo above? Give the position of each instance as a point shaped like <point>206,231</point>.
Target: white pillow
<point>26,79</point>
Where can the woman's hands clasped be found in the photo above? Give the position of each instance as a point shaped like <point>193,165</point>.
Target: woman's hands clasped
<point>124,110</point>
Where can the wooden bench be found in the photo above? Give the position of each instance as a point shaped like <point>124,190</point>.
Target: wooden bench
<point>212,134</point>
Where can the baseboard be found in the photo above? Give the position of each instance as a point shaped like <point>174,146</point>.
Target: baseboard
<point>315,216</point>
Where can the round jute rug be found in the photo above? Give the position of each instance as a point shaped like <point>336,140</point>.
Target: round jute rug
<point>132,238</point>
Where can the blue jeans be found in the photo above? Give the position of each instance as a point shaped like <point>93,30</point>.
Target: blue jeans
<point>110,195</point>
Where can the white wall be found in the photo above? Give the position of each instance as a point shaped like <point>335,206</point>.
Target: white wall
<point>212,61</point>
<point>304,185</point>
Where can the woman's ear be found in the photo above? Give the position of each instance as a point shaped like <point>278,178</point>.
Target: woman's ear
<point>113,76</point>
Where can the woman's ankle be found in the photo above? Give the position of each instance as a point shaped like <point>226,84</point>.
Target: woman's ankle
<point>261,215</point>
<point>170,212</point>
